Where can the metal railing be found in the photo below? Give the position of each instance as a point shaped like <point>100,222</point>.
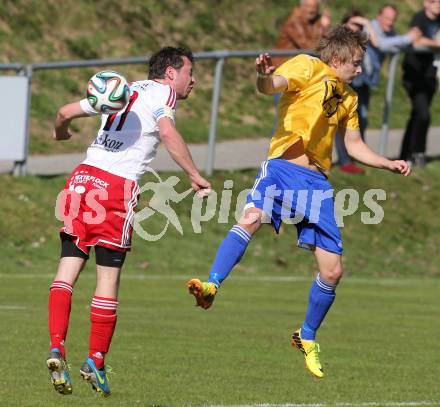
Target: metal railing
<point>220,57</point>
<point>12,67</point>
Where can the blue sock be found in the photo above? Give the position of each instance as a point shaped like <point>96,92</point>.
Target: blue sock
<point>321,297</point>
<point>229,254</point>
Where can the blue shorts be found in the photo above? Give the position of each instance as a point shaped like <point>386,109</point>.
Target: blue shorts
<point>292,194</point>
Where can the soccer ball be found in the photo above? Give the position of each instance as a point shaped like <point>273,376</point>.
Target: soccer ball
<point>108,92</point>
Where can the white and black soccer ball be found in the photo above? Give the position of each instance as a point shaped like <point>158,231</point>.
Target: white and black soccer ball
<point>108,92</point>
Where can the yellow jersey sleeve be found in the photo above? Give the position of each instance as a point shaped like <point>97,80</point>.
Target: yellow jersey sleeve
<point>297,70</point>
<point>351,120</point>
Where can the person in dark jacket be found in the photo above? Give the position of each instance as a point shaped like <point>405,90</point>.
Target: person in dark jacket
<point>420,82</point>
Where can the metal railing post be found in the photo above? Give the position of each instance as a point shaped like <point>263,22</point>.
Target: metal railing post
<point>214,115</point>
<point>388,101</point>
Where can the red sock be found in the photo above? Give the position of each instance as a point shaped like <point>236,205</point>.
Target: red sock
<point>103,322</point>
<point>60,301</point>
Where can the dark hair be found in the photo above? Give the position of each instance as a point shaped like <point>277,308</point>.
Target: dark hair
<point>165,57</point>
<point>388,5</point>
<point>350,14</point>
<point>341,43</point>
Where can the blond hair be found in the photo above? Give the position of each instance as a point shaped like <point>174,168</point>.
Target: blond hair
<point>342,44</point>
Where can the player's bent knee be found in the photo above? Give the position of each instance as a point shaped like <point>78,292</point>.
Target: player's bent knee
<point>333,274</point>
<point>109,257</point>
<point>251,220</point>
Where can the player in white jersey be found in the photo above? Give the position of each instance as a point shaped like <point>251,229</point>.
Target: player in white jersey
<point>105,184</point>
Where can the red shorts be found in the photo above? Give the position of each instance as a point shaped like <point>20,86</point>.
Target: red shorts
<point>97,208</point>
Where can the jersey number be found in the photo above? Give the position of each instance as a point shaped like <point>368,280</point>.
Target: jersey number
<point>124,115</point>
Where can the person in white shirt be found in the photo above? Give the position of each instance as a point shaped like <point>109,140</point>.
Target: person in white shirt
<point>105,184</point>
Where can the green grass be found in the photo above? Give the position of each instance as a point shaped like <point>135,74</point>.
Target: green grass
<point>168,352</point>
<point>406,241</point>
<point>378,343</point>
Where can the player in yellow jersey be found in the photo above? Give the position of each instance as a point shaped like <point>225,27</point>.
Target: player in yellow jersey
<point>292,184</point>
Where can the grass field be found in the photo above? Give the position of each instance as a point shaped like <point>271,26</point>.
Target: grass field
<point>379,342</point>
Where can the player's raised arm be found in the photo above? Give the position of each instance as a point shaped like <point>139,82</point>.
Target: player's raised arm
<point>357,149</point>
<point>180,153</point>
<point>65,115</point>
<point>266,82</point>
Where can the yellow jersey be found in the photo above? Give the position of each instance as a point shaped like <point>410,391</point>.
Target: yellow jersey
<point>312,108</point>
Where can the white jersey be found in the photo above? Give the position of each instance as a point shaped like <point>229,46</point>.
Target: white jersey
<point>127,141</point>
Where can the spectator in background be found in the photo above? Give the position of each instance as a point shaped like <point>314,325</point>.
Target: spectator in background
<point>383,39</point>
<point>420,82</point>
<point>304,27</point>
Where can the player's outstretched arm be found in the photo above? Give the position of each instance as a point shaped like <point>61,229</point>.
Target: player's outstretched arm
<point>180,153</point>
<point>266,82</point>
<point>357,149</point>
<point>65,115</point>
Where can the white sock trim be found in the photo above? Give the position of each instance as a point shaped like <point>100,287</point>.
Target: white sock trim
<point>244,234</point>
<point>325,286</point>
